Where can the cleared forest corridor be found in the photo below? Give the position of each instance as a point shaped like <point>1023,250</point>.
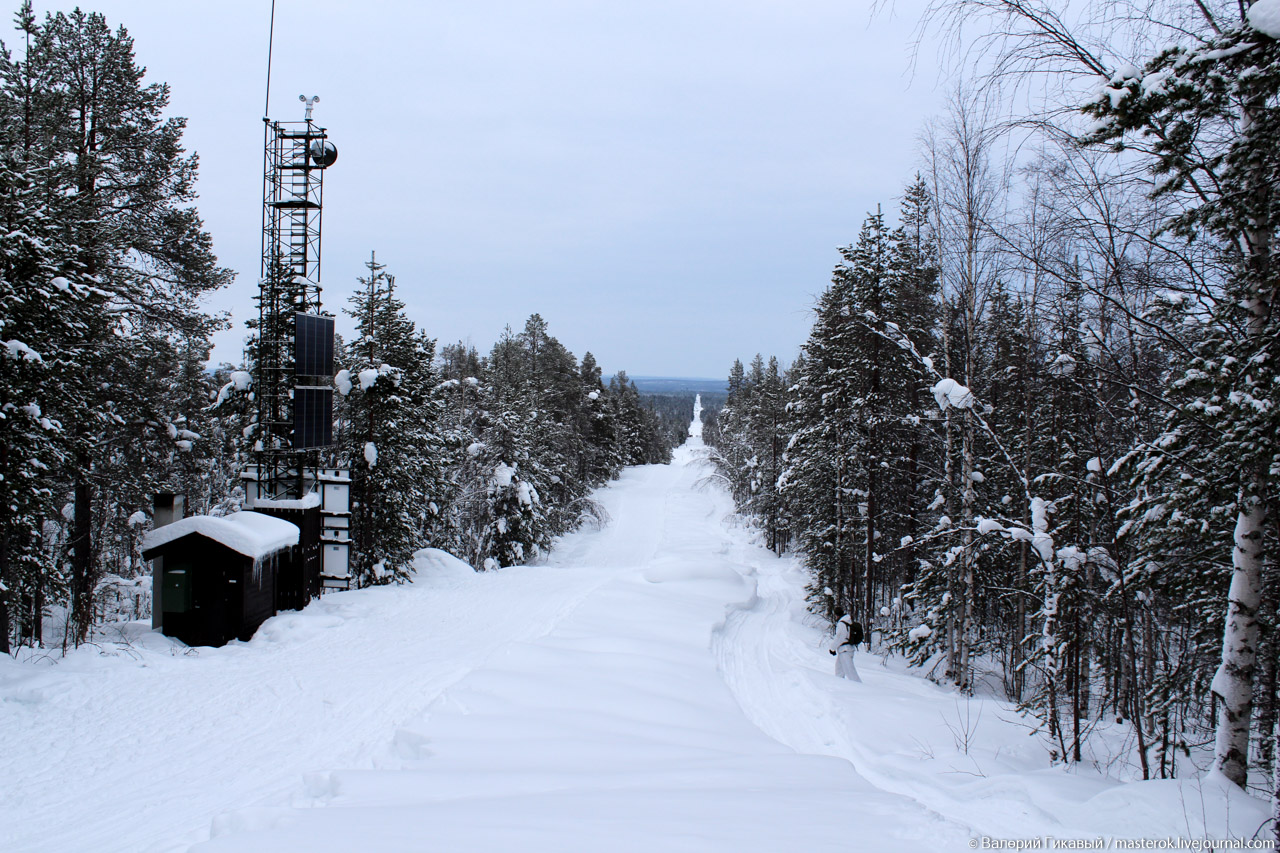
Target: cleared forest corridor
<point>654,685</point>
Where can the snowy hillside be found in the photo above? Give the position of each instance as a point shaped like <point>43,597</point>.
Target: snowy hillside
<point>655,686</point>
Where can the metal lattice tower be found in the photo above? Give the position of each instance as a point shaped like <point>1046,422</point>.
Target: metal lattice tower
<point>295,157</point>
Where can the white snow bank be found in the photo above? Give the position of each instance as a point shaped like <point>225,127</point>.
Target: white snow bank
<point>250,533</point>
<point>432,563</point>
<point>673,571</point>
<point>1264,16</point>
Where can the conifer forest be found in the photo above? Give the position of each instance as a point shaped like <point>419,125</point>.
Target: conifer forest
<point>1028,454</point>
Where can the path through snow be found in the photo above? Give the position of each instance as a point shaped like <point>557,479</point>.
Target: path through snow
<point>654,686</point>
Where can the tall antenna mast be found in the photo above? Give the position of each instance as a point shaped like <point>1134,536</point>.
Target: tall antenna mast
<point>271,39</point>
<point>293,364</point>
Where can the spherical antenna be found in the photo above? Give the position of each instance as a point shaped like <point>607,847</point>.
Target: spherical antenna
<point>323,153</point>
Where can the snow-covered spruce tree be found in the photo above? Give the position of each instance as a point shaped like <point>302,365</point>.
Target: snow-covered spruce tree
<point>638,434</point>
<point>392,435</point>
<point>555,389</point>
<point>168,449</point>
<point>766,420</point>
<point>913,271</point>
<point>464,418</point>
<point>856,465</point>
<point>748,442</point>
<point>596,425</point>
<point>816,480</point>
<point>514,526</point>
<point>730,443</point>
<point>530,433</point>
<point>78,106</point>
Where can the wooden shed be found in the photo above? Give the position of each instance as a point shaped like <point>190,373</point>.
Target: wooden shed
<point>219,574</point>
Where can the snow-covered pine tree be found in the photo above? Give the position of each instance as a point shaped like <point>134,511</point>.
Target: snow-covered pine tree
<point>77,104</point>
<point>392,435</point>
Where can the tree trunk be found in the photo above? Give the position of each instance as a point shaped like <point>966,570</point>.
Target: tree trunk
<point>869,594</point>
<point>1020,626</point>
<point>1275,789</point>
<point>1077,678</point>
<point>953,587</point>
<point>1134,682</point>
<point>6,590</point>
<point>82,569</point>
<point>1269,674</point>
<point>967,556</point>
<point>1233,682</point>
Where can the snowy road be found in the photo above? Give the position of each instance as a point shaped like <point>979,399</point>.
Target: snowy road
<point>653,687</point>
<point>611,731</point>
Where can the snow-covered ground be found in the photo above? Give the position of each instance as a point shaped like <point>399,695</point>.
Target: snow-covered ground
<point>655,686</point>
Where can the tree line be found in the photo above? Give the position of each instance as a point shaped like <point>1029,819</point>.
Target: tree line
<point>1032,441</point>
<point>488,457</point>
<point>106,397</point>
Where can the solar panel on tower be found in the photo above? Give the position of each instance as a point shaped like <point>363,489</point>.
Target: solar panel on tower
<point>312,417</point>
<point>313,345</point>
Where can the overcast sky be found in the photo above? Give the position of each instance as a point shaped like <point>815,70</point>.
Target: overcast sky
<point>665,182</point>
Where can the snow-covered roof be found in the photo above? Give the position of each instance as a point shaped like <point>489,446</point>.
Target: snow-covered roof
<point>250,533</point>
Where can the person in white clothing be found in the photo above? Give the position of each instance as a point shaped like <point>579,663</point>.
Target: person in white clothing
<point>843,646</point>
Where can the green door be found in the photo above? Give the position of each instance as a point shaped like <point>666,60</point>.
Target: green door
<point>175,589</point>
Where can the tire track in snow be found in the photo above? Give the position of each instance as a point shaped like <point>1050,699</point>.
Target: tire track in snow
<point>784,687</point>
<point>150,751</point>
